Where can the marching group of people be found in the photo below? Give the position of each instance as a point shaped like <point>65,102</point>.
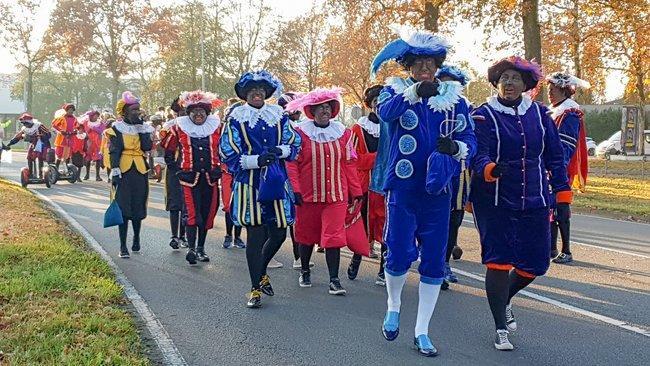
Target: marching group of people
<point>403,176</point>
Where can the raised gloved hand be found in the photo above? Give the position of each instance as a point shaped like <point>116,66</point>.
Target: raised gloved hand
<point>447,146</point>
<point>297,199</point>
<point>427,89</point>
<point>266,159</point>
<point>562,211</point>
<point>499,170</point>
<point>373,117</point>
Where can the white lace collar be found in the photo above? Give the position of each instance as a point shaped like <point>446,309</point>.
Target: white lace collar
<point>332,132</point>
<point>450,92</point>
<point>168,124</point>
<point>567,104</point>
<point>127,129</point>
<point>271,114</point>
<point>526,102</point>
<point>31,130</point>
<point>369,126</point>
<point>186,125</point>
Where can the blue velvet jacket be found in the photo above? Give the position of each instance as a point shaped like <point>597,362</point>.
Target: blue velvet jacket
<point>415,125</point>
<point>525,139</point>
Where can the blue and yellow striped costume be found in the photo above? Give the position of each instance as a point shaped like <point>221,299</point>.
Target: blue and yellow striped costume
<point>248,133</point>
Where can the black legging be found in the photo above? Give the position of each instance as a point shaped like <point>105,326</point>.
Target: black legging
<point>455,220</point>
<point>262,242</point>
<point>294,244</point>
<point>124,229</point>
<point>356,258</point>
<point>192,232</point>
<point>98,167</point>
<point>564,227</point>
<point>230,225</point>
<point>177,226</point>
<point>332,257</point>
<point>500,287</point>
<point>32,165</point>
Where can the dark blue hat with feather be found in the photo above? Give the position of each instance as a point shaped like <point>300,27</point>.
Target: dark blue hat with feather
<point>411,42</point>
<point>453,73</point>
<point>259,78</point>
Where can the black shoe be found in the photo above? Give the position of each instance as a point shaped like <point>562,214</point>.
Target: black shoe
<point>305,279</point>
<point>98,179</point>
<point>353,269</point>
<point>254,299</point>
<point>336,288</point>
<point>86,177</point>
<point>457,252</point>
<point>135,248</point>
<point>563,258</point>
<point>380,280</point>
<point>174,243</point>
<point>201,256</point>
<point>227,241</point>
<point>190,257</point>
<point>183,242</point>
<point>239,243</point>
<point>444,285</point>
<point>265,286</point>
<point>124,253</point>
<point>320,250</point>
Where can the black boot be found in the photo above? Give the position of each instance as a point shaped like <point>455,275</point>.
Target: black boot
<point>353,268</point>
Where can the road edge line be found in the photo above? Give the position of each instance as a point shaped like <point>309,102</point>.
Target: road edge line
<point>171,354</point>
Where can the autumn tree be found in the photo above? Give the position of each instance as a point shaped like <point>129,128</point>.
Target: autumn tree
<point>17,19</point>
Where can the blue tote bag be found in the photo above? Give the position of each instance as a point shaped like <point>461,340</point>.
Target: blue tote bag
<point>440,170</point>
<point>272,180</point>
<point>113,214</point>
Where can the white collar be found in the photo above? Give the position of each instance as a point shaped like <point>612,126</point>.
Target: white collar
<point>31,130</point>
<point>449,92</point>
<point>168,124</point>
<point>369,126</point>
<point>186,125</point>
<point>127,129</point>
<point>526,102</point>
<point>330,133</point>
<point>271,114</point>
<point>81,135</point>
<point>567,104</point>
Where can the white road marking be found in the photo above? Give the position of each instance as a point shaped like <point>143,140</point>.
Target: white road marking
<point>171,355</point>
<point>471,222</point>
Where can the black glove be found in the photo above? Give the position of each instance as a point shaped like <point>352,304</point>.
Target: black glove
<point>427,89</point>
<point>215,174</point>
<point>6,147</point>
<point>373,117</point>
<point>276,150</point>
<point>297,199</point>
<point>116,180</point>
<point>499,170</point>
<point>447,146</point>
<point>265,159</point>
<point>562,211</point>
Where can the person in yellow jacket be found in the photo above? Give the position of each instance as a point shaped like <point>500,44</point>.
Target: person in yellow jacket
<point>123,148</point>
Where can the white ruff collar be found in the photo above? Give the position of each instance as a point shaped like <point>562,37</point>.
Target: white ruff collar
<point>186,125</point>
<point>31,130</point>
<point>127,129</point>
<point>271,114</point>
<point>450,92</point>
<point>168,124</point>
<point>369,126</point>
<point>526,102</point>
<point>330,133</point>
<point>567,104</point>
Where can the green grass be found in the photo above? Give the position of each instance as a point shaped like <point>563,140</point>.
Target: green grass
<point>59,302</point>
<point>617,196</point>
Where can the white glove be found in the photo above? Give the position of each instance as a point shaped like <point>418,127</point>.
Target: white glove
<point>116,172</point>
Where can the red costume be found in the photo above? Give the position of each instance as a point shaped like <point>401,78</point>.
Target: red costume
<point>65,127</point>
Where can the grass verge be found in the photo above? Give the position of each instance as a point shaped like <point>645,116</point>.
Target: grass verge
<point>614,196</point>
<point>59,302</point>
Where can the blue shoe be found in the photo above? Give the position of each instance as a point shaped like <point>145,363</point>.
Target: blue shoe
<point>449,275</point>
<point>390,328</point>
<point>424,346</point>
<point>240,243</point>
<point>227,241</point>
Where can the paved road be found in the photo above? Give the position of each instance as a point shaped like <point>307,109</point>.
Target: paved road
<point>202,307</point>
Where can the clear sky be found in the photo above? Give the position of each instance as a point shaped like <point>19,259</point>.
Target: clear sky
<point>465,40</point>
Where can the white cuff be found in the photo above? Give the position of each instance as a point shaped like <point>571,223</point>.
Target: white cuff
<point>286,151</point>
<point>249,162</point>
<point>411,95</point>
<point>463,151</point>
<point>116,172</point>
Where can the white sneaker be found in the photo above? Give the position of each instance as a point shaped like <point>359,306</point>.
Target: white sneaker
<point>275,264</point>
<point>297,265</point>
<point>501,341</point>
<point>511,323</point>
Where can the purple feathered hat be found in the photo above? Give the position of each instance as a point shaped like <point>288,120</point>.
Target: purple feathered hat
<point>531,71</point>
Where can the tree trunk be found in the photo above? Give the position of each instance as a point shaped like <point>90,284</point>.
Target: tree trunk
<point>532,37</point>
<point>431,15</point>
<point>29,88</point>
<point>640,88</point>
<point>115,88</point>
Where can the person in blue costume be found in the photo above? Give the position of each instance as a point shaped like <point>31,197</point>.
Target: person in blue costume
<point>519,155</point>
<point>570,123</point>
<point>430,134</point>
<point>258,135</point>
<point>459,183</point>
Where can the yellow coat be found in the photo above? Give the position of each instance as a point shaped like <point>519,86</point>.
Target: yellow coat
<point>132,153</point>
